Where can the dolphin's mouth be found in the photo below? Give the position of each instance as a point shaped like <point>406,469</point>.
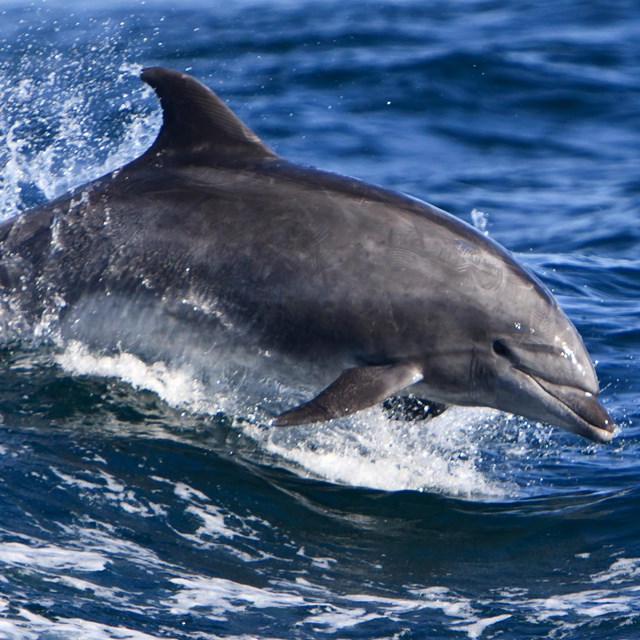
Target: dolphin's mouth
<point>576,410</point>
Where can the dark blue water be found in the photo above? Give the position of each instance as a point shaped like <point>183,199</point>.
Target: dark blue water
<point>134,505</point>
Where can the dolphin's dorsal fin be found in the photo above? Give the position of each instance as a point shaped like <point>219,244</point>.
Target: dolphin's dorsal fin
<point>198,127</point>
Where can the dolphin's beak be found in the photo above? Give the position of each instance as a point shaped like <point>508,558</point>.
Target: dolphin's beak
<point>576,410</point>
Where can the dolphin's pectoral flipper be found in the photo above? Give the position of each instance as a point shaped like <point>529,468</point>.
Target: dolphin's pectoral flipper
<point>355,389</point>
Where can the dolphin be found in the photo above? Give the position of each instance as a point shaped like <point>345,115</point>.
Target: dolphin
<point>383,291</point>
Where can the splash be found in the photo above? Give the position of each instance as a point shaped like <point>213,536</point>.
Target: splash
<point>177,387</point>
<point>442,454</point>
<point>371,450</point>
<point>67,125</point>
<point>480,220</point>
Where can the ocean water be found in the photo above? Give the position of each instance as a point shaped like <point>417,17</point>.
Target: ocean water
<point>136,504</point>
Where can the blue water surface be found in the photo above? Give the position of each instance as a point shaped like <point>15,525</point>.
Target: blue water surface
<point>134,506</point>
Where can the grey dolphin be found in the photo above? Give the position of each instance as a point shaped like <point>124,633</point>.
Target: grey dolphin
<point>384,290</point>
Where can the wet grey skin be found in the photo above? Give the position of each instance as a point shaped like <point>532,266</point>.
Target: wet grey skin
<point>381,290</point>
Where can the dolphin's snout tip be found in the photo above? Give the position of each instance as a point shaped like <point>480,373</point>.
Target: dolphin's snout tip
<point>601,435</point>
<point>580,412</point>
<point>600,426</point>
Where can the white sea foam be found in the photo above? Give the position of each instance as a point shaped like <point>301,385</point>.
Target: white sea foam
<point>476,629</point>
<point>321,563</point>
<point>617,598</point>
<point>354,609</point>
<point>592,603</point>
<point>27,625</point>
<point>312,607</point>
<point>325,612</point>
<point>220,597</point>
<point>92,483</point>
<point>623,570</point>
<point>217,525</point>
<point>338,618</point>
<point>50,557</point>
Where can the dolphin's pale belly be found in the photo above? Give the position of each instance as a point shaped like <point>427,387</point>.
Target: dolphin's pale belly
<point>223,356</point>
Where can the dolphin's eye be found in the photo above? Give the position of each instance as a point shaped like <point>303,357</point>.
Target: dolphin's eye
<point>501,349</point>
